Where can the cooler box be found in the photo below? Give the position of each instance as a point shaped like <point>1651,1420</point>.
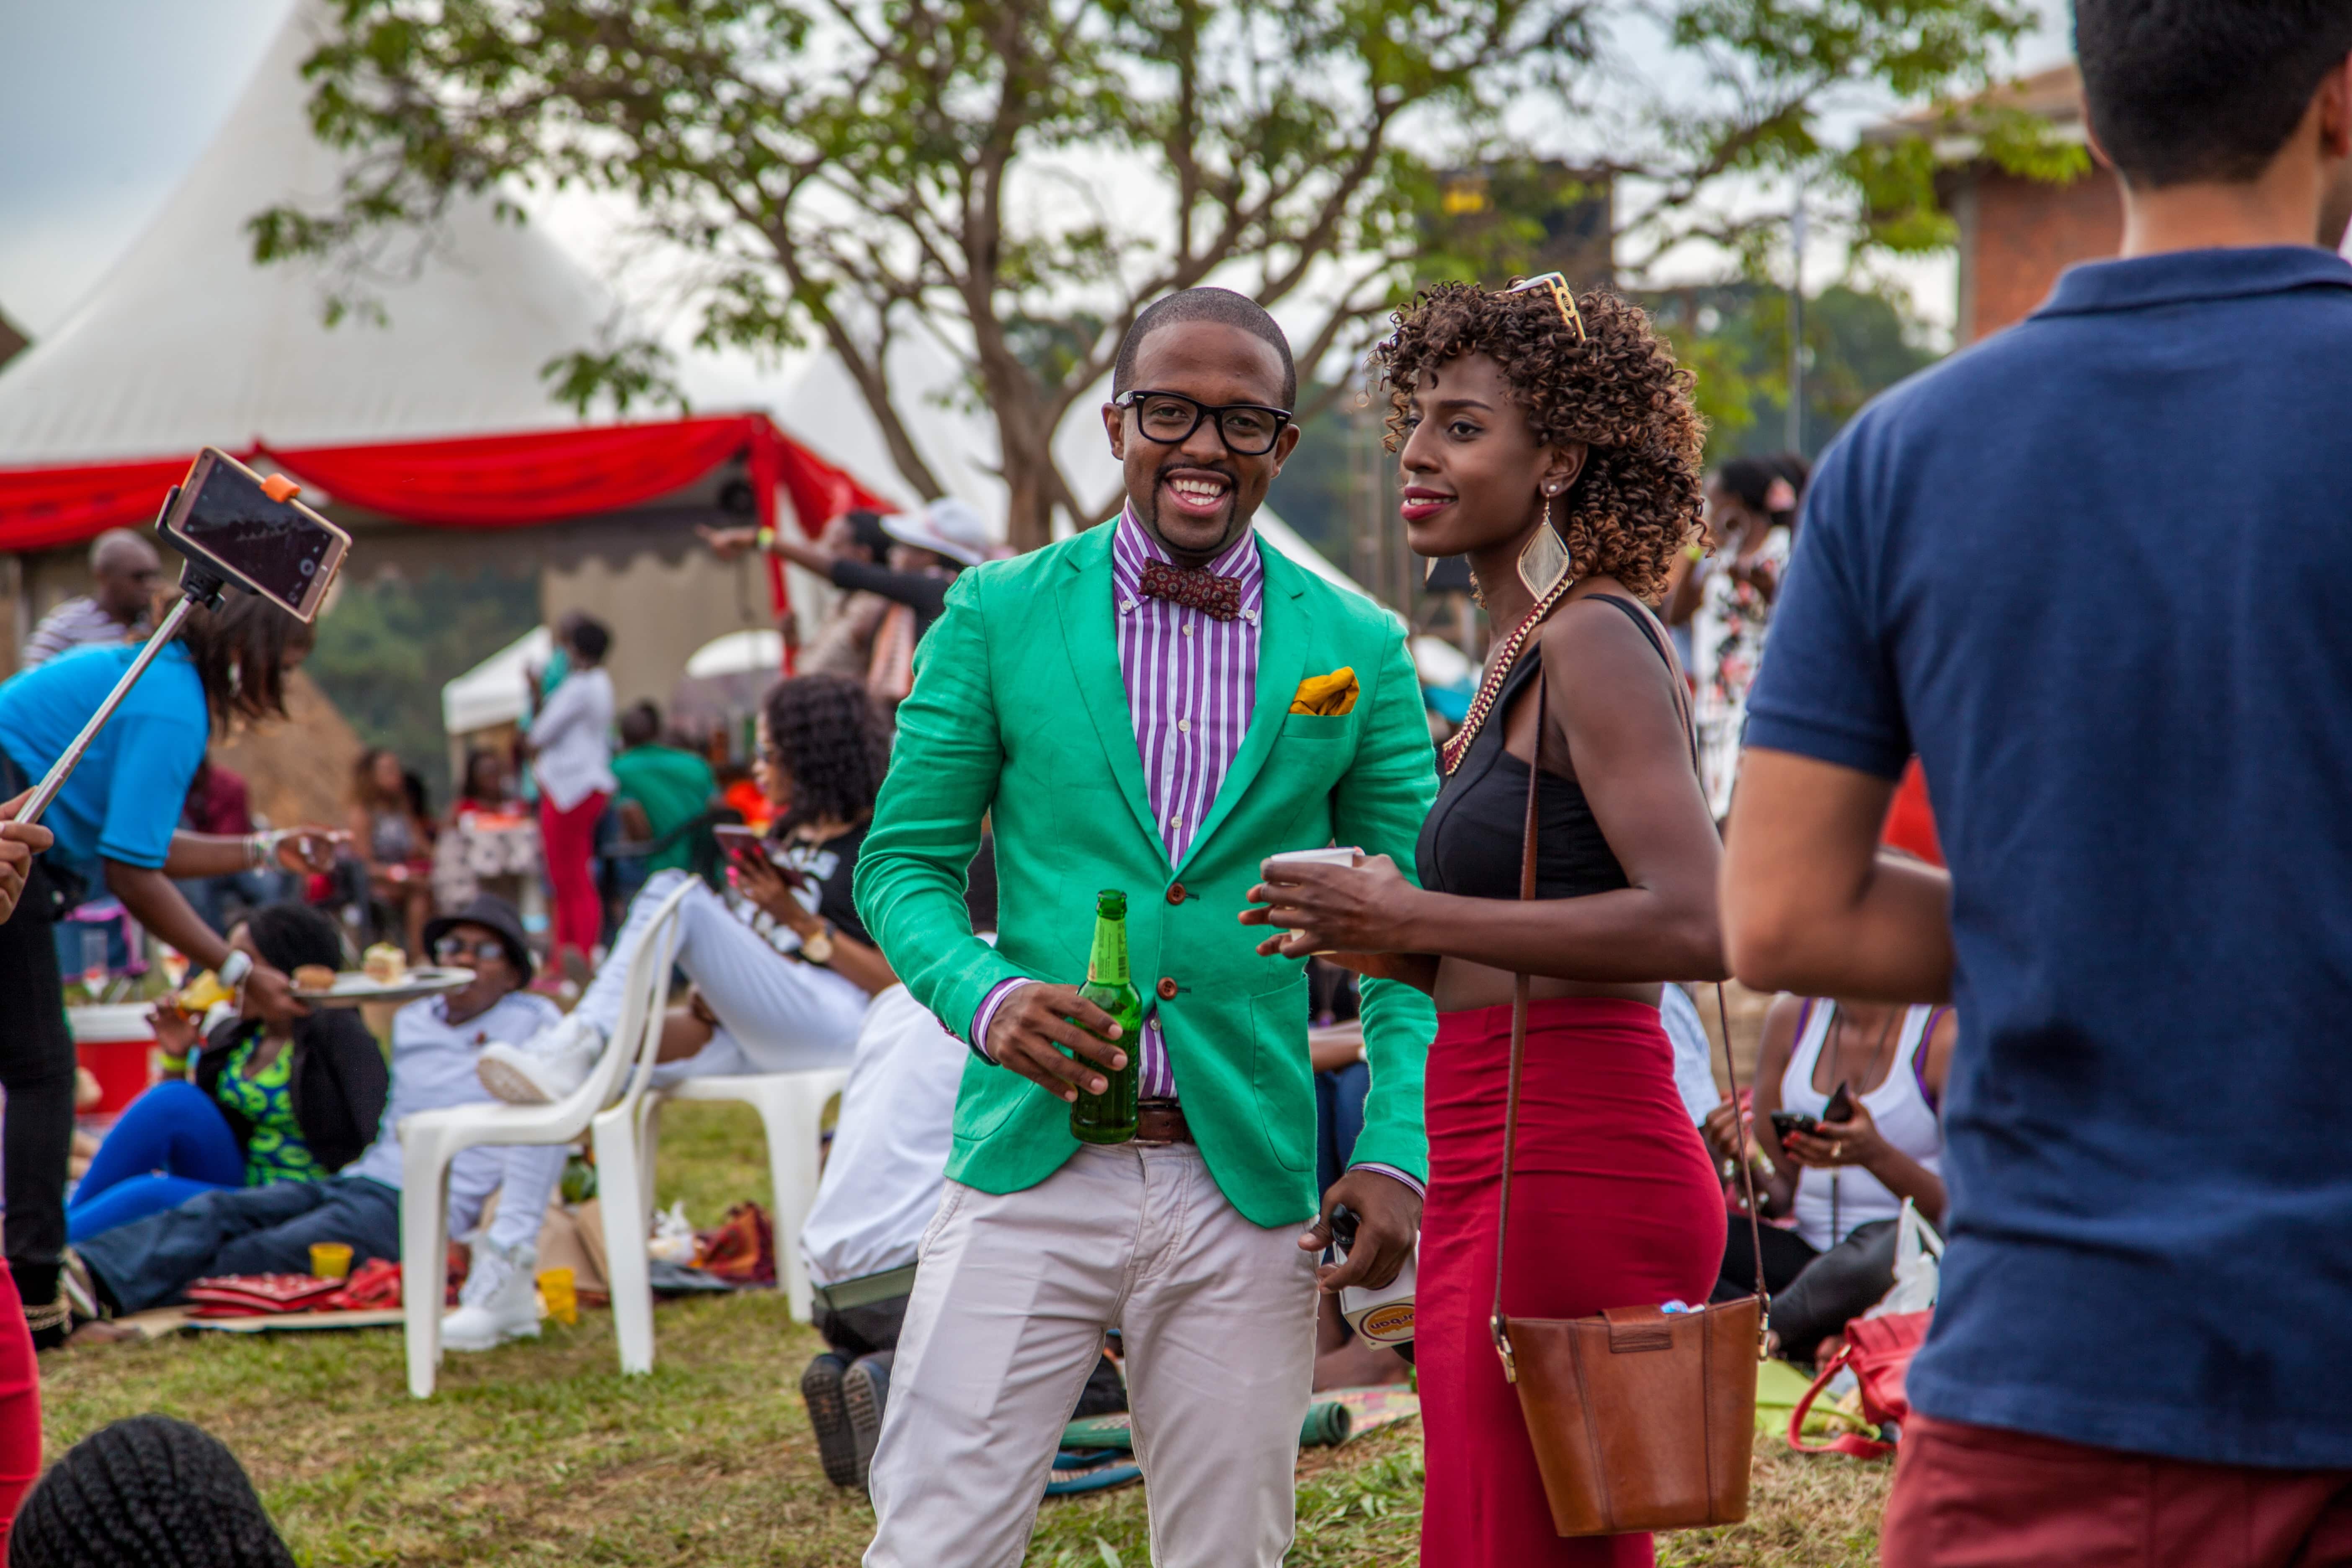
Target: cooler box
<point>117,1044</point>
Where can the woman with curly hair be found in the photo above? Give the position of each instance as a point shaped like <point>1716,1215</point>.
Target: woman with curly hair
<point>781,966</point>
<point>1553,442</point>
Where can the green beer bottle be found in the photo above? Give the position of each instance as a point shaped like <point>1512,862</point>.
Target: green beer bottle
<point>1110,1117</point>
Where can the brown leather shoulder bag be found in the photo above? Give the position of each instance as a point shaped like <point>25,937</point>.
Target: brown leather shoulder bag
<point>1640,1419</point>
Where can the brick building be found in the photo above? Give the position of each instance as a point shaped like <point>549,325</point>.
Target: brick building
<point>2016,234</point>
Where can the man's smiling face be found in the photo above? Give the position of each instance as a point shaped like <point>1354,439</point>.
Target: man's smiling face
<point>1197,497</point>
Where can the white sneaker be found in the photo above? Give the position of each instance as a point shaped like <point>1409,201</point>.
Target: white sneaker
<point>499,1302</point>
<point>545,1068</point>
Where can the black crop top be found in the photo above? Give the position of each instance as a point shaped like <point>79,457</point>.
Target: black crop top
<point>1470,844</point>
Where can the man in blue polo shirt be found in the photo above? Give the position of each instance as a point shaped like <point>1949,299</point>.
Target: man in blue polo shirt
<point>2094,571</point>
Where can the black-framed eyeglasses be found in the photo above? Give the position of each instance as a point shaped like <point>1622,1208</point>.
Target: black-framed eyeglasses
<point>1171,418</point>
<point>452,949</point>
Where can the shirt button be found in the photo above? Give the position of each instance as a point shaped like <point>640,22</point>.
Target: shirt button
<point>1176,893</point>
<point>1167,988</point>
<point>1188,628</point>
<point>1183,726</point>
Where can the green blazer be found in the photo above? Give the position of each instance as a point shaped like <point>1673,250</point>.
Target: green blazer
<point>1019,715</point>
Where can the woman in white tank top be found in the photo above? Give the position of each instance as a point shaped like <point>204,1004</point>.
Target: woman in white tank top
<point>1842,1183</point>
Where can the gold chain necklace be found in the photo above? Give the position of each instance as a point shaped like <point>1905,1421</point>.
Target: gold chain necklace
<point>1457,745</point>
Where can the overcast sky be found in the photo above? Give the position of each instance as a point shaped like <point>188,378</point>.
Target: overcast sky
<point>104,105</point>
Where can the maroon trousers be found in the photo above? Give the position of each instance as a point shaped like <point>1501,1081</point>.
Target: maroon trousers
<point>1973,1496</point>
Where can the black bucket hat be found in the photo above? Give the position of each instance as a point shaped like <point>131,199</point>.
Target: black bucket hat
<point>493,914</point>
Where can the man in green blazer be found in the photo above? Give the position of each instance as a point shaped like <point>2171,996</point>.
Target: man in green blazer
<point>1154,706</point>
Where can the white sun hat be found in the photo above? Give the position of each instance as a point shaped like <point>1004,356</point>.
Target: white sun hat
<point>946,526</point>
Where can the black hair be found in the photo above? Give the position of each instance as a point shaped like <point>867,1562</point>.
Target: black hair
<point>240,652</point>
<point>589,637</point>
<point>641,725</point>
<point>148,1492</point>
<point>474,761</point>
<point>2185,91</point>
<point>1205,305</point>
<point>866,528</point>
<point>828,734</point>
<point>290,934</point>
<point>1752,478</point>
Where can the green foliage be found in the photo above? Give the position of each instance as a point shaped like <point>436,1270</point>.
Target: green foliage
<point>387,647</point>
<point>1736,338</point>
<point>845,171</point>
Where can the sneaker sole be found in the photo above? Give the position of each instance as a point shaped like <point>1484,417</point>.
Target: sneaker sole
<point>501,1337</point>
<point>864,1406</point>
<point>508,1084</point>
<point>822,1391</point>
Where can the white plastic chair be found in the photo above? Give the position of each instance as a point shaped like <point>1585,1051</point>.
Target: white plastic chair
<point>791,1113</point>
<point>431,1140</point>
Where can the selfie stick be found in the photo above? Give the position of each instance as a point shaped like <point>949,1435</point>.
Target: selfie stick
<point>198,586</point>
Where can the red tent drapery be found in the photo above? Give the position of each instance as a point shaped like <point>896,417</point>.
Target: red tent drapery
<point>474,481</point>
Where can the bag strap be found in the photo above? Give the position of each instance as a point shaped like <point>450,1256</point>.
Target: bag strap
<point>1521,985</point>
<point>1852,1444</point>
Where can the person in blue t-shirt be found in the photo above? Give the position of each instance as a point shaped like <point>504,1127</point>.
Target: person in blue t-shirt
<point>2091,571</point>
<point>117,831</point>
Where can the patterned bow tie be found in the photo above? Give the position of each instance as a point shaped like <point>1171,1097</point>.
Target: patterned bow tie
<point>1202,591</point>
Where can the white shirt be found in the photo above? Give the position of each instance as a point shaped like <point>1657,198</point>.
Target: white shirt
<point>1694,1069</point>
<point>431,1069</point>
<point>889,1159</point>
<point>77,623</point>
<point>574,734</point>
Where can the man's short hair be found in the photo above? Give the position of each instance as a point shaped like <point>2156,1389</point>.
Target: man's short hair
<point>116,542</point>
<point>1205,305</point>
<point>641,725</point>
<point>2182,92</point>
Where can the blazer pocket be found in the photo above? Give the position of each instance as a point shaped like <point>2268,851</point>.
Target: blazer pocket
<point>1317,726</point>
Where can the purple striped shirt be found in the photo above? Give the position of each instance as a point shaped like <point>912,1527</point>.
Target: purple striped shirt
<point>1190,681</point>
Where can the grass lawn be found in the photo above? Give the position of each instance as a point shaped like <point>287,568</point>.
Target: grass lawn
<point>541,1452</point>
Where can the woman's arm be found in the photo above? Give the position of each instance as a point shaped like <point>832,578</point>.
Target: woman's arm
<point>1777,1190</point>
<point>860,964</point>
<point>1615,718</point>
<point>225,855</point>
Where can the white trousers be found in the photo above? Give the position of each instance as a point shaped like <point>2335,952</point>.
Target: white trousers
<point>776,1014</point>
<point>1011,1301</point>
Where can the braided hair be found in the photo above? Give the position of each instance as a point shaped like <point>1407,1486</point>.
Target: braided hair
<point>148,1492</point>
<point>828,734</point>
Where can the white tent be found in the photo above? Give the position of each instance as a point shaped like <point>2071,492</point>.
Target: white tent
<point>186,342</point>
<point>759,651</point>
<point>493,692</point>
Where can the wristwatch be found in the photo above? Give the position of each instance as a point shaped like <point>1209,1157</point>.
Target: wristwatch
<point>818,949</point>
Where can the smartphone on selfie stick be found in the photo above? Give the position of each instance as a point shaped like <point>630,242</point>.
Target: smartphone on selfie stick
<point>237,529</point>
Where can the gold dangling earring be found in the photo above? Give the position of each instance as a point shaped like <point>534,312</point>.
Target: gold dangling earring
<point>1545,560</point>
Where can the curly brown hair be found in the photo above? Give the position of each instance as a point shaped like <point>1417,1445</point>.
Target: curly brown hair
<point>1639,499</point>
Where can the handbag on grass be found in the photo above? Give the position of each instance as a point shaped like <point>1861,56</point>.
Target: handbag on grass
<point>1880,1351</point>
<point>1640,1419</point>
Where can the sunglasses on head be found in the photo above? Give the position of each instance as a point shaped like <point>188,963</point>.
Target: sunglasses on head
<point>450,949</point>
<point>1561,296</point>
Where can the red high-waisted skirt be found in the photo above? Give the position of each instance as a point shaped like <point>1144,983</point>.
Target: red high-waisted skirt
<point>1614,1203</point>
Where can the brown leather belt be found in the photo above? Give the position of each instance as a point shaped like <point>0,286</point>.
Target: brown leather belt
<point>1162,1122</point>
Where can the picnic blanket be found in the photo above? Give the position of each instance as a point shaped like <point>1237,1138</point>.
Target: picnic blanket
<point>1336,1415</point>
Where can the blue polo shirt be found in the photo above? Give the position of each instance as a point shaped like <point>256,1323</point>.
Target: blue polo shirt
<point>124,800</point>
<point>2098,571</point>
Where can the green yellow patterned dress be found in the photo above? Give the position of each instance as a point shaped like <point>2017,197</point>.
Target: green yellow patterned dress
<point>276,1150</point>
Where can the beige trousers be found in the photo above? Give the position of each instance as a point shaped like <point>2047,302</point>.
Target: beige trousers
<point>1217,1316</point>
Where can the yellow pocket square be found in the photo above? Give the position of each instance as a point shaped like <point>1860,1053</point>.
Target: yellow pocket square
<point>1328,695</point>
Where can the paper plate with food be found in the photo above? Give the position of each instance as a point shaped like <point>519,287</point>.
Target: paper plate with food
<point>384,976</point>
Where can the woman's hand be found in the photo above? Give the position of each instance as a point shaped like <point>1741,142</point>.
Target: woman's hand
<point>1353,909</point>
<point>175,1032</point>
<point>1727,1133</point>
<point>765,885</point>
<point>728,543</point>
<point>309,848</point>
<point>1853,1141</point>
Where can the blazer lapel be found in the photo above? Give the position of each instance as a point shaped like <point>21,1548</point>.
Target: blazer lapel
<point>1083,602</point>
<point>1281,646</point>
